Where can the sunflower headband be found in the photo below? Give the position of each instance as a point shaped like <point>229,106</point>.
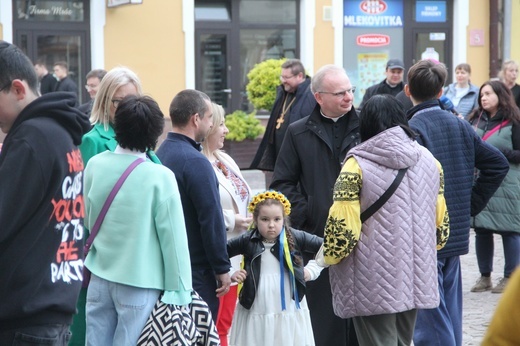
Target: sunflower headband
<point>271,194</point>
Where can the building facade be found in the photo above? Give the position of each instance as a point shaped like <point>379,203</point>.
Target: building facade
<point>211,45</point>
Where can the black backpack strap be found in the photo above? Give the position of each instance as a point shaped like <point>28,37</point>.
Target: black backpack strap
<point>382,200</point>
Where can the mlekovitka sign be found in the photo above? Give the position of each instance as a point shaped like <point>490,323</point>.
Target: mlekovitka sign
<point>373,13</point>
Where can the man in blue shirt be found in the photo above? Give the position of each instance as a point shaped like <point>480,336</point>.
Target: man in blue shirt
<point>191,116</point>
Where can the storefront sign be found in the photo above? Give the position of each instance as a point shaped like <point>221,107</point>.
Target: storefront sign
<point>62,11</point>
<point>373,13</point>
<point>430,11</point>
<point>373,40</point>
<point>437,36</point>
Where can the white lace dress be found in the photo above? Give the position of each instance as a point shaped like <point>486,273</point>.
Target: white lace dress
<point>265,324</point>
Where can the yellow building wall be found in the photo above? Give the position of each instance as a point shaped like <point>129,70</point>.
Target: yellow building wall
<point>478,56</point>
<point>323,37</point>
<point>515,31</point>
<point>148,39</point>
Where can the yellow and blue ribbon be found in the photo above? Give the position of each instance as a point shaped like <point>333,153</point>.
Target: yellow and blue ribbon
<point>284,249</point>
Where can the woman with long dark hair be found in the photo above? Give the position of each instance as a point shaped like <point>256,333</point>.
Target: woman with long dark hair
<point>497,121</point>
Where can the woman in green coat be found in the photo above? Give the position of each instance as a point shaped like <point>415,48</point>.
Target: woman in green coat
<point>117,83</point>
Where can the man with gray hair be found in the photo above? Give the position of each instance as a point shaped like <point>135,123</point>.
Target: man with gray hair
<point>307,167</point>
<point>191,116</point>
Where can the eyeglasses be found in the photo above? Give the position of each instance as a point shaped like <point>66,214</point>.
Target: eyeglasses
<point>91,87</point>
<point>341,94</point>
<point>287,78</point>
<point>6,86</point>
<point>116,102</point>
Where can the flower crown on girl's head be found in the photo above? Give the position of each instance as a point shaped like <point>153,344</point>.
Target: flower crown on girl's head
<point>271,194</point>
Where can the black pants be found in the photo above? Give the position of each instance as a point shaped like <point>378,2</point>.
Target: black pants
<point>205,283</point>
<point>47,334</point>
<point>328,328</point>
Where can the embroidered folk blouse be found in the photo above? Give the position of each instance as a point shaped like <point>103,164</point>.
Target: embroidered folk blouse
<point>343,228</point>
<point>238,184</point>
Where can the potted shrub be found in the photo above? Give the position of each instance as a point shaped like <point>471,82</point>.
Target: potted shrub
<point>243,138</point>
<point>263,80</point>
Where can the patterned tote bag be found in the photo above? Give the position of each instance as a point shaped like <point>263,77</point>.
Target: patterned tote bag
<point>188,325</point>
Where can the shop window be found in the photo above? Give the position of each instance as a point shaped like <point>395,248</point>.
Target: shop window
<point>212,11</point>
<point>232,36</point>
<point>268,11</point>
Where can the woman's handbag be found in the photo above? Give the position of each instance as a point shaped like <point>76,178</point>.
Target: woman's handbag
<point>102,213</point>
<point>186,325</point>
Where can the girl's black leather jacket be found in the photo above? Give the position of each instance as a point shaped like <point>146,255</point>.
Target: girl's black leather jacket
<point>250,245</point>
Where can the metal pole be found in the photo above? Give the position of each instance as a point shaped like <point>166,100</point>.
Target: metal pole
<point>506,30</point>
<point>494,61</point>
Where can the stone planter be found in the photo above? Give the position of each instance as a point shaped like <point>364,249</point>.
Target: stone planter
<point>242,152</point>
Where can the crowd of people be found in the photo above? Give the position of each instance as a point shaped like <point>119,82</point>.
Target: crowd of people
<point>357,240</point>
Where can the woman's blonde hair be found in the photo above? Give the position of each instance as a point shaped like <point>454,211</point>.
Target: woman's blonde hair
<point>113,80</point>
<point>219,115</point>
<point>505,66</point>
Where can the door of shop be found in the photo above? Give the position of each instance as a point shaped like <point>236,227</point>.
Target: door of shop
<point>51,31</point>
<point>428,32</point>
<point>53,46</point>
<point>213,70</point>
<point>232,36</point>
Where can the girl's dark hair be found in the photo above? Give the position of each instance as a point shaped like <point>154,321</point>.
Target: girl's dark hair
<point>290,239</point>
<point>138,123</point>
<point>506,102</point>
<point>380,113</point>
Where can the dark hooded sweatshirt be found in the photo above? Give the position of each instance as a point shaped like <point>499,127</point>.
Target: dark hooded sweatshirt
<point>41,214</point>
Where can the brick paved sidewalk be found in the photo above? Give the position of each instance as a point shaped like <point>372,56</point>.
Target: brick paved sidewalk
<point>479,307</point>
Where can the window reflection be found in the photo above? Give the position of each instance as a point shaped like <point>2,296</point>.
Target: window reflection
<point>214,67</point>
<point>268,11</point>
<point>53,48</point>
<point>212,11</point>
<point>257,45</point>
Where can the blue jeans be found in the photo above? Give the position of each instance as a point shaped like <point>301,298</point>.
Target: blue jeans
<point>485,247</point>
<point>443,326</point>
<point>48,334</point>
<point>117,313</point>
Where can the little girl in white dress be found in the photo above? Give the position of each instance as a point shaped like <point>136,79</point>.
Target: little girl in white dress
<point>272,308</point>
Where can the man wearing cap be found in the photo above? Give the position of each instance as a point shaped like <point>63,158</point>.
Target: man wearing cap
<point>392,84</point>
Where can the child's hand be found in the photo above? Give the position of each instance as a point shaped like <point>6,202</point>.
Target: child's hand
<point>242,222</point>
<point>306,274</point>
<point>239,276</point>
